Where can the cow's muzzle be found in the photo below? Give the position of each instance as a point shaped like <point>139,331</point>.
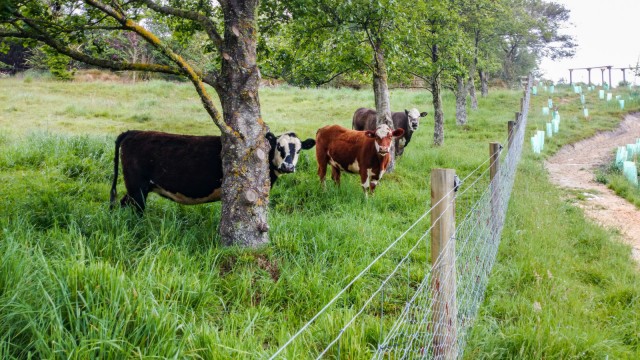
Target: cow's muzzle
<point>414,126</point>
<point>287,168</point>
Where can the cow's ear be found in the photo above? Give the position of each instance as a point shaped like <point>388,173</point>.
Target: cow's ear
<point>423,114</point>
<point>308,144</point>
<point>406,112</point>
<point>398,132</point>
<point>370,133</point>
<point>271,138</point>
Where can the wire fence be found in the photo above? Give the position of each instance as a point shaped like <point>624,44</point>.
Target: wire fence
<point>426,311</point>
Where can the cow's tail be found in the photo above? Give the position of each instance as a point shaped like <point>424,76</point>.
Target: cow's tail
<point>116,160</point>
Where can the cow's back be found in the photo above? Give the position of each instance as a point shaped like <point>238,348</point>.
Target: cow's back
<point>364,119</point>
<point>180,164</point>
<point>342,145</point>
<point>400,121</point>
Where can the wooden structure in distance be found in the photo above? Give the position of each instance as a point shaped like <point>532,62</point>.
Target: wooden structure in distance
<point>602,69</point>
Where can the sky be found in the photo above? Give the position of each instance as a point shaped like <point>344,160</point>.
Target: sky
<point>606,32</point>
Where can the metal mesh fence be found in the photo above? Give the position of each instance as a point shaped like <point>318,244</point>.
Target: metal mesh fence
<point>418,318</point>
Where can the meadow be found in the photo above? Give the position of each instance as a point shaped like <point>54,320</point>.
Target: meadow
<point>79,281</point>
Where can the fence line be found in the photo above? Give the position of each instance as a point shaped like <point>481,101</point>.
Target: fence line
<point>413,332</point>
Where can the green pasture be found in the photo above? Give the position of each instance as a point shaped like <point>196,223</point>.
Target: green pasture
<point>79,281</point>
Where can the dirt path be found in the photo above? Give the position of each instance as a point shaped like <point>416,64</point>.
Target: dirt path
<point>574,167</point>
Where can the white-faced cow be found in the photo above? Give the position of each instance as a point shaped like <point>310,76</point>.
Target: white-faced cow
<point>361,152</point>
<point>409,120</point>
<point>186,169</point>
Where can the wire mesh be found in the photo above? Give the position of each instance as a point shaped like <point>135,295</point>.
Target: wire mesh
<point>414,335</point>
<point>416,317</point>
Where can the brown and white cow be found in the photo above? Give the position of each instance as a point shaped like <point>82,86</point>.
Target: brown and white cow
<point>361,152</point>
<point>186,169</point>
<point>409,120</point>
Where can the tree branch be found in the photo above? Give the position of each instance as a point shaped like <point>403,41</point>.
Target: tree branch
<point>76,55</point>
<point>320,83</point>
<point>208,25</point>
<point>195,77</point>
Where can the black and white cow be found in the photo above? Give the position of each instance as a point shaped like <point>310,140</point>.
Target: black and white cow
<point>409,120</point>
<point>184,168</point>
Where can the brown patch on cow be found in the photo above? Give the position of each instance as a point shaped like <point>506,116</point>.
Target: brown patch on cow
<point>185,200</point>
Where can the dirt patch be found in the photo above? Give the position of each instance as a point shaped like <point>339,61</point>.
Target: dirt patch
<point>574,167</point>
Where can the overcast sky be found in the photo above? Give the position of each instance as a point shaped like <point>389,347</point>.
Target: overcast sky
<point>606,32</point>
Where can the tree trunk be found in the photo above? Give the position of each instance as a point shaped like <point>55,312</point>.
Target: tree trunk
<point>484,86</point>
<point>461,101</point>
<point>438,126</point>
<point>381,93</point>
<point>245,186</point>
<point>471,85</point>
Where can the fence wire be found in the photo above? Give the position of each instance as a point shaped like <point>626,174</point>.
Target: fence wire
<point>416,319</point>
<point>477,237</point>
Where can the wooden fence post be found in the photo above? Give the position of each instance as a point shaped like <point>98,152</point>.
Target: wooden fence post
<point>511,128</point>
<point>494,176</point>
<point>443,271</point>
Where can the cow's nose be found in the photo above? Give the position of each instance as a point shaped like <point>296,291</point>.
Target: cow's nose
<point>288,167</point>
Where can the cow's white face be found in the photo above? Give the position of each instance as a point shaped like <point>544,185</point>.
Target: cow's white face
<point>413,118</point>
<point>383,138</point>
<point>285,150</point>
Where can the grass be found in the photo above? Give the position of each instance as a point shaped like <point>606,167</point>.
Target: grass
<point>615,180</point>
<point>78,281</point>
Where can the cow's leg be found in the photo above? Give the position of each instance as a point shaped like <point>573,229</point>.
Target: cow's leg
<point>335,174</point>
<point>321,157</point>
<point>137,191</point>
<point>136,202</point>
<point>322,173</point>
<point>364,180</point>
<point>373,182</point>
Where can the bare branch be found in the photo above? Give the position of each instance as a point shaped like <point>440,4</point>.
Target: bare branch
<point>326,81</point>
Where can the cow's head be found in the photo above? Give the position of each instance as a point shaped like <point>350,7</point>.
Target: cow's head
<point>383,136</point>
<point>285,148</point>
<point>413,118</point>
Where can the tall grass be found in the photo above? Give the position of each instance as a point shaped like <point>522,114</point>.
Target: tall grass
<point>79,281</point>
